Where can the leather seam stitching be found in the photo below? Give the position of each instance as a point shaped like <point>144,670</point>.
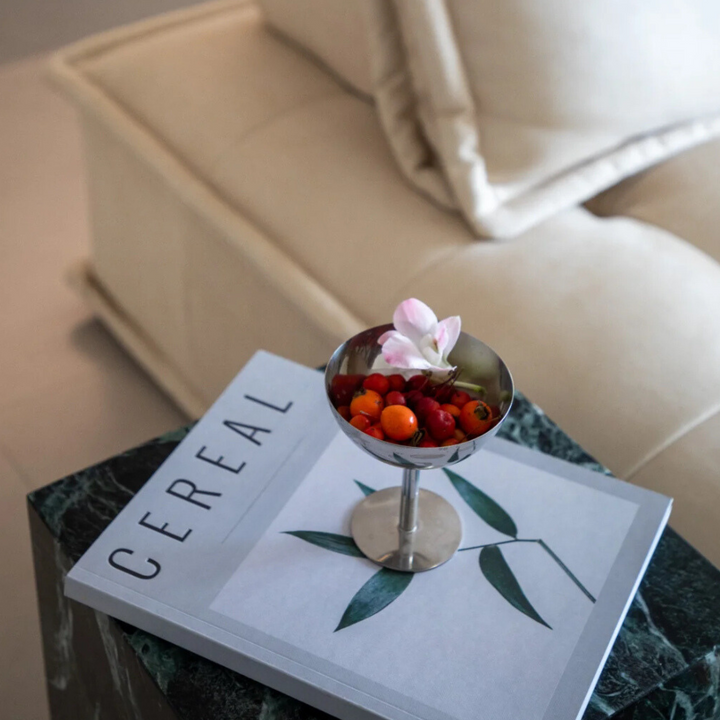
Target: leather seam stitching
<point>672,439</point>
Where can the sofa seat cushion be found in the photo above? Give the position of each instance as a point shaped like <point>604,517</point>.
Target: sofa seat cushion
<point>680,195</point>
<point>610,324</point>
<point>687,468</point>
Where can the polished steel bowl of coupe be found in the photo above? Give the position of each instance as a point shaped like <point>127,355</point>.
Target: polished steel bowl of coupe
<point>407,528</point>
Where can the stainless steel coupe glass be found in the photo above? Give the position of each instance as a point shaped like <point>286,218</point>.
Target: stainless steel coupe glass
<point>405,528</point>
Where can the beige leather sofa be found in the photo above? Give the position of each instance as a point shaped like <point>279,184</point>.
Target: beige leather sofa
<point>283,181</point>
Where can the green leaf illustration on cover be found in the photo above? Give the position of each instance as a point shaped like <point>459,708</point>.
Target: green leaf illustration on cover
<point>483,505</point>
<point>364,488</point>
<point>498,573</point>
<point>375,595</point>
<point>337,543</point>
<point>387,585</point>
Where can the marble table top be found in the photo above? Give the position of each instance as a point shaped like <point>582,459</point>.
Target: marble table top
<point>665,662</point>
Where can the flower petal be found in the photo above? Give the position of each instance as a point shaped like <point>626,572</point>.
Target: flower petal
<point>434,358</point>
<point>447,334</point>
<point>386,336</point>
<point>399,351</point>
<point>381,366</point>
<point>414,319</point>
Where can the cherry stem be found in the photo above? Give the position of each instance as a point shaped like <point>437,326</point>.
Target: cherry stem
<point>470,386</point>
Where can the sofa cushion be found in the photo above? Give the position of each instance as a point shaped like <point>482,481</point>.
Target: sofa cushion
<point>534,107</point>
<point>332,31</point>
<point>350,40</point>
<point>680,195</point>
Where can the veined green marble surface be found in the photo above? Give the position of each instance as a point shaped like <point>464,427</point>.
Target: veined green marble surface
<point>665,662</point>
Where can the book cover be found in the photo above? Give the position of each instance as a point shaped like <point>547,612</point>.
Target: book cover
<point>238,549</point>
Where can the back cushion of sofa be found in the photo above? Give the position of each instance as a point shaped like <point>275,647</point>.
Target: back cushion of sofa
<point>534,106</point>
<point>332,30</point>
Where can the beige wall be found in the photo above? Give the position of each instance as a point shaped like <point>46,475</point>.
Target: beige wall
<point>31,26</point>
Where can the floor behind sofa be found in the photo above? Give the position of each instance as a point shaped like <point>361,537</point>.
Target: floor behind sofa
<point>69,396</point>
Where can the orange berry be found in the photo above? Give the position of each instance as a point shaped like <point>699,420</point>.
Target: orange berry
<point>344,412</point>
<point>398,422</point>
<point>475,417</point>
<point>343,387</point>
<point>448,442</point>
<point>459,435</point>
<point>367,402</point>
<point>361,422</point>
<point>454,410</point>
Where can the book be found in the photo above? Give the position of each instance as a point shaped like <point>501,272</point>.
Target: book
<point>238,549</point>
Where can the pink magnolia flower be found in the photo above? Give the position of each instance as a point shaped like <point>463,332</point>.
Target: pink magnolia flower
<point>419,341</point>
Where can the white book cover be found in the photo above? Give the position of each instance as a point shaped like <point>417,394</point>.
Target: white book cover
<point>238,549</point>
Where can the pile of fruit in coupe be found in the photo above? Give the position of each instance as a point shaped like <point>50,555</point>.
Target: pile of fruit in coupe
<point>417,411</point>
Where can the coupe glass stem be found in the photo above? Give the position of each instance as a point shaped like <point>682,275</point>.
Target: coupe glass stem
<point>409,500</point>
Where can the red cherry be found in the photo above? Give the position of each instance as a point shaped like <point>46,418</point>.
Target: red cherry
<point>440,424</point>
<point>412,397</point>
<point>377,382</point>
<point>418,382</point>
<point>449,441</point>
<point>427,442</point>
<point>343,387</point>
<point>397,382</point>
<point>442,393</point>
<point>376,432</point>
<point>424,406</point>
<point>394,398</point>
<point>344,412</point>
<point>361,422</point>
<point>459,398</point>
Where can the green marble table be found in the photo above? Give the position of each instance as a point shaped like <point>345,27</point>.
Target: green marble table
<point>664,664</point>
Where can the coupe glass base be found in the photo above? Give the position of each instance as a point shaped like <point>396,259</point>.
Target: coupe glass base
<point>436,538</point>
